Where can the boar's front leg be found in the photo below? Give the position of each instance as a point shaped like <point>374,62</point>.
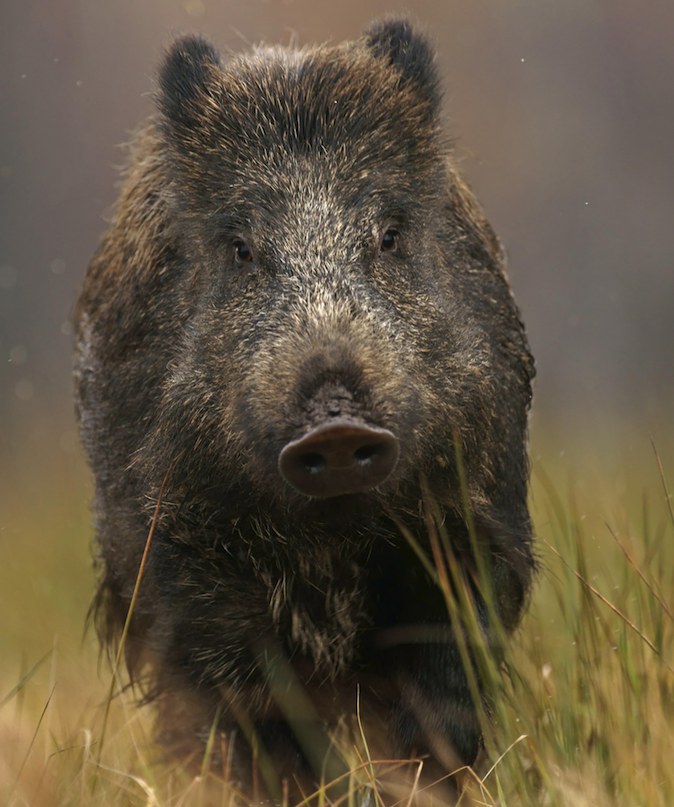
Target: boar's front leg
<point>413,644</point>
<point>435,713</point>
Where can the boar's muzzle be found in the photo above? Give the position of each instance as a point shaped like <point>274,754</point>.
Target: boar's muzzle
<point>338,457</point>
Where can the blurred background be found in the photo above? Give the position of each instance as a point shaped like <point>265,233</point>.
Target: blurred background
<point>563,115</point>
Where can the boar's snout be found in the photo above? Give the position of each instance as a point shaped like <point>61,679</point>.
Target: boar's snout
<point>339,457</point>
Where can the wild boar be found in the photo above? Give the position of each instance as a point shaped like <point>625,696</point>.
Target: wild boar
<point>297,322</point>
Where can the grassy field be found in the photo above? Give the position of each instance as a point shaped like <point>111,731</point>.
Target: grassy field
<point>584,708</point>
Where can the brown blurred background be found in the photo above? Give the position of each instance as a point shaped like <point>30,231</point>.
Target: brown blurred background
<point>563,112</point>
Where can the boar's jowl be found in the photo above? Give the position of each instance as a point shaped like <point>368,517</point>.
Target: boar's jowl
<point>298,322</point>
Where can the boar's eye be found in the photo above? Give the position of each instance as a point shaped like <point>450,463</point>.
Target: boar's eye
<point>389,243</point>
<point>242,253</point>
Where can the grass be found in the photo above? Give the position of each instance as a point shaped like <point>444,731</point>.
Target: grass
<point>583,698</point>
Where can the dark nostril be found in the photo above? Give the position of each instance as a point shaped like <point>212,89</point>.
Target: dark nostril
<point>314,463</point>
<point>366,454</point>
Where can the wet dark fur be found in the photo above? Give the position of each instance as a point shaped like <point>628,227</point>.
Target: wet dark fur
<point>194,365</point>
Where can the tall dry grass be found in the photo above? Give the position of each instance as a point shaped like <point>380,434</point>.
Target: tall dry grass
<point>582,697</point>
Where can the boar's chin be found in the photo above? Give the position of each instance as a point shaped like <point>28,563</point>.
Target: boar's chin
<point>340,512</point>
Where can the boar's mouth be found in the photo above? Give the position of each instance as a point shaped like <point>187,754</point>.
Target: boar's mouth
<point>339,457</point>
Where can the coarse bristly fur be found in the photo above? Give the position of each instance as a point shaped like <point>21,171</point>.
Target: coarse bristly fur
<point>241,296</point>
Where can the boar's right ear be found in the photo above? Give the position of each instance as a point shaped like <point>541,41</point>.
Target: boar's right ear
<point>184,78</point>
<point>406,49</point>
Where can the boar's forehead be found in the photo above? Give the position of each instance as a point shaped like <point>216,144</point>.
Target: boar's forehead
<point>344,102</point>
<point>310,193</point>
<point>337,117</point>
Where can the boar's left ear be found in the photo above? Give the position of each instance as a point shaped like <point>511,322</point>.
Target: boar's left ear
<point>409,51</point>
<point>184,79</point>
